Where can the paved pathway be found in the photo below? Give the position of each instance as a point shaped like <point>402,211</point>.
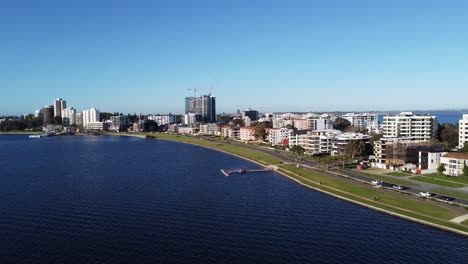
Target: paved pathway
<point>460,219</point>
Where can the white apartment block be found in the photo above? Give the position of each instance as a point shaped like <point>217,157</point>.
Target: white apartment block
<point>279,122</point>
<point>99,126</point>
<point>208,129</point>
<point>69,116</point>
<point>315,142</point>
<point>79,119</point>
<point>429,161</point>
<point>407,124</point>
<point>342,140</point>
<point>362,120</point>
<point>463,131</point>
<point>89,116</point>
<point>319,123</point>
<point>187,130</point>
<point>163,119</point>
<point>454,163</point>
<point>277,136</point>
<point>247,133</point>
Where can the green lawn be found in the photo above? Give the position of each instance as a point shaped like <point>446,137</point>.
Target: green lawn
<point>437,181</point>
<point>367,191</point>
<point>464,222</point>
<point>398,174</point>
<point>221,145</point>
<point>382,177</point>
<point>458,179</point>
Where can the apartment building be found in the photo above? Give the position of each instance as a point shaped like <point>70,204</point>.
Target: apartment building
<point>454,163</point>
<point>362,120</point>
<point>409,125</point>
<point>279,136</point>
<point>463,131</point>
<point>247,133</point>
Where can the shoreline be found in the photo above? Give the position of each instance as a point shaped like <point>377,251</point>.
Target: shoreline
<point>346,199</point>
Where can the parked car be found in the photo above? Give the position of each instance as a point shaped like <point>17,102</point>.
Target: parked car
<point>399,187</point>
<point>376,182</point>
<point>445,198</point>
<point>386,184</point>
<point>425,194</point>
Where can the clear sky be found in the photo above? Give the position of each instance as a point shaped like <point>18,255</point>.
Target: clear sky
<point>142,56</point>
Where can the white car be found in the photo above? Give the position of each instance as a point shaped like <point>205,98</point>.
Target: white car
<point>425,194</point>
<point>398,187</point>
<point>376,182</point>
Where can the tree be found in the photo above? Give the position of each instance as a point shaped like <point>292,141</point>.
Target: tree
<point>355,148</point>
<point>448,135</point>
<point>465,170</point>
<point>341,124</point>
<point>238,122</point>
<point>57,120</point>
<point>298,150</point>
<point>343,159</point>
<point>441,168</point>
<point>464,149</point>
<point>260,131</point>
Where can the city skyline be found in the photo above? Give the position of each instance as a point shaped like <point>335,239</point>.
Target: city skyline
<point>298,56</point>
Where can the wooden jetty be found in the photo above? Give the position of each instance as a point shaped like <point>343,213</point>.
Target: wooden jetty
<point>240,171</point>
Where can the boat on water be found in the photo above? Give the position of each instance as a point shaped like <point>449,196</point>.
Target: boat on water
<point>38,136</point>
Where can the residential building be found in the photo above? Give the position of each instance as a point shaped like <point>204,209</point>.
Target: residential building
<point>208,129</point>
<point>247,121</point>
<point>192,118</point>
<point>340,141</point>
<point>48,112</point>
<point>69,116</point>
<point>188,130</point>
<point>454,163</point>
<point>279,122</point>
<point>89,116</point>
<point>362,120</point>
<point>163,119</point>
<point>247,133</point>
<point>314,142</point>
<point>205,106</point>
<point>463,131</point>
<point>300,123</point>
<point>234,132</point>
<point>59,105</point>
<point>79,119</point>
<point>409,125</point>
<point>279,136</point>
<point>119,123</point>
<point>319,124</point>
<point>429,161</point>
<point>396,152</point>
<point>98,126</point>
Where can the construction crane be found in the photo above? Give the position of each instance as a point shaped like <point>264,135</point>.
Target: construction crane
<point>194,91</point>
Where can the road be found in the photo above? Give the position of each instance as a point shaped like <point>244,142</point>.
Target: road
<point>315,165</point>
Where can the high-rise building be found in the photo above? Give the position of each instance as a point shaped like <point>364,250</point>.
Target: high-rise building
<point>409,125</point>
<point>252,114</point>
<point>89,116</point>
<point>59,105</point>
<point>463,131</point>
<point>205,106</point>
<point>79,119</point>
<point>48,112</point>
<point>39,113</point>
<point>69,116</point>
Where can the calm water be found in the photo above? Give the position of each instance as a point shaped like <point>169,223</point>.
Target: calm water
<point>129,200</point>
<point>443,117</point>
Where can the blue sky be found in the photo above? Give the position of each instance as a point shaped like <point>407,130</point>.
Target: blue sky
<point>142,56</point>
